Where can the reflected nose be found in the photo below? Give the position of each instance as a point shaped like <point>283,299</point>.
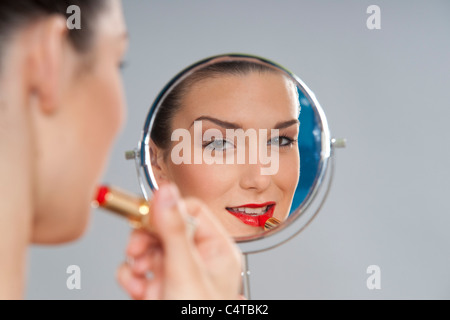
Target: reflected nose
<point>251,178</point>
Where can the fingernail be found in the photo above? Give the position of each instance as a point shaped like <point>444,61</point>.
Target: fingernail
<point>168,196</point>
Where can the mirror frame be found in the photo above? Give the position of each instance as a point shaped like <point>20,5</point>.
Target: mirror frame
<point>308,209</point>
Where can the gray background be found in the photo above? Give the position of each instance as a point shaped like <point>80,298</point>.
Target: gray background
<point>386,91</point>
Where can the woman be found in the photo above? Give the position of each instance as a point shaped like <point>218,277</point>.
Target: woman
<point>250,99</point>
<point>61,105</point>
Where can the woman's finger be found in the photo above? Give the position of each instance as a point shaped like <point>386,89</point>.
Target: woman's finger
<point>210,235</point>
<point>171,226</point>
<point>134,285</point>
<point>151,261</point>
<point>139,242</point>
<point>170,222</point>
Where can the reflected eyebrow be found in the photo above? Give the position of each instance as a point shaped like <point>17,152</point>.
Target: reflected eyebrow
<point>285,124</point>
<point>224,124</point>
<point>231,125</point>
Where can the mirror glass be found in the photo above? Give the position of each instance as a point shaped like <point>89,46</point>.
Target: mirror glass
<point>244,135</point>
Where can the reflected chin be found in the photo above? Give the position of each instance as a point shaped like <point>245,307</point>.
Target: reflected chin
<point>244,231</point>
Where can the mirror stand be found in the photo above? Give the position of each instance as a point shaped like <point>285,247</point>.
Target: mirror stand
<point>245,274</point>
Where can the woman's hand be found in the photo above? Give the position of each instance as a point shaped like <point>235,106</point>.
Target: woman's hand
<point>205,264</point>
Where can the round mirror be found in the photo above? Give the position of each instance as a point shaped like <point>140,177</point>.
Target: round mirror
<point>248,138</point>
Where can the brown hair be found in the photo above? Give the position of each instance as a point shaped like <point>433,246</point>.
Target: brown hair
<point>15,14</point>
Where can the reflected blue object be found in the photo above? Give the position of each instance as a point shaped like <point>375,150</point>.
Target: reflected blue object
<point>309,144</point>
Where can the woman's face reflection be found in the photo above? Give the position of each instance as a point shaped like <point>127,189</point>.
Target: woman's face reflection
<point>239,193</point>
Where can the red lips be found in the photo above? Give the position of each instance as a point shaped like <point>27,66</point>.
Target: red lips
<point>254,220</point>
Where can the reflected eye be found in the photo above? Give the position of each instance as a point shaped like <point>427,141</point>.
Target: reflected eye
<point>219,145</point>
<point>282,141</point>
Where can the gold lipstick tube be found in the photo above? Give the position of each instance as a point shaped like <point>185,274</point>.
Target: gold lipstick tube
<point>133,208</point>
<point>271,223</point>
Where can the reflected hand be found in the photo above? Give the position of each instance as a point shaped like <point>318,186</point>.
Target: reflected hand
<point>205,265</point>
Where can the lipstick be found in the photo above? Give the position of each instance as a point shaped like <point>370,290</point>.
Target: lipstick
<point>131,207</point>
<point>134,208</point>
<point>271,223</point>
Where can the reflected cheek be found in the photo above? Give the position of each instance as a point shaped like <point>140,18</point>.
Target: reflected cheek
<point>203,181</point>
<point>287,176</point>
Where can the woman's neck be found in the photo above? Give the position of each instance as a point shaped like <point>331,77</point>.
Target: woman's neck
<point>16,180</point>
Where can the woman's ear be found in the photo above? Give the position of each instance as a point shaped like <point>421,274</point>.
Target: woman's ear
<point>158,164</point>
<point>47,57</point>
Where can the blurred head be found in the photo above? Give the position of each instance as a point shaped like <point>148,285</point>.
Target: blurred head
<point>232,95</point>
<point>66,83</point>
